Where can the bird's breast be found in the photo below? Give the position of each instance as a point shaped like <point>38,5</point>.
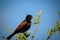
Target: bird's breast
<point>26,27</point>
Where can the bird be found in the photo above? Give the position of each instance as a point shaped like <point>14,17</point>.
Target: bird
<point>22,27</point>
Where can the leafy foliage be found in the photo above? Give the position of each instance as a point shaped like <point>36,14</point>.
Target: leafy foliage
<point>54,30</point>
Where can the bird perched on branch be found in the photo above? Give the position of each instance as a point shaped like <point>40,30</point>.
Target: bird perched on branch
<point>23,27</point>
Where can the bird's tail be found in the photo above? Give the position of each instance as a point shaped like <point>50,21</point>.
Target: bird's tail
<point>10,36</point>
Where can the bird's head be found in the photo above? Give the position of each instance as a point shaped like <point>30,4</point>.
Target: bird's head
<point>29,17</point>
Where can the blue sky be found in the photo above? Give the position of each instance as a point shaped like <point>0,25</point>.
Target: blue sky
<point>13,12</point>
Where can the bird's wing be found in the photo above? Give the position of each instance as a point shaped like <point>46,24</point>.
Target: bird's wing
<point>21,25</point>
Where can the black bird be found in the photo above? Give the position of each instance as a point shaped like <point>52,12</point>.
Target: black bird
<point>23,27</point>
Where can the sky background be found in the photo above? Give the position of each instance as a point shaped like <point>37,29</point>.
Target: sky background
<point>13,12</point>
